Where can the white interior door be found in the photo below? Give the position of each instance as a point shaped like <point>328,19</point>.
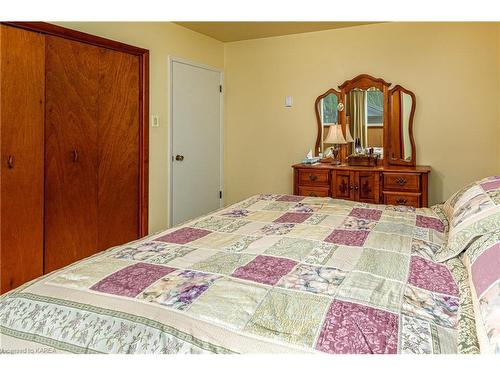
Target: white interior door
<point>196,141</point>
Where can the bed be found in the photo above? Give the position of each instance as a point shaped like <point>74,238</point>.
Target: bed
<point>273,273</point>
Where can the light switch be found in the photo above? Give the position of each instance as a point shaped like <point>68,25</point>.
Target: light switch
<point>288,101</point>
<point>155,121</point>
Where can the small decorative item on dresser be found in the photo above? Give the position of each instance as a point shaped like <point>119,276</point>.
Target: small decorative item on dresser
<point>367,160</point>
<point>335,137</point>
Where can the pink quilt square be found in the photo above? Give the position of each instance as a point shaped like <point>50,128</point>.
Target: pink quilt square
<point>131,280</point>
<point>350,328</point>
<point>491,185</point>
<point>430,222</point>
<point>366,213</point>
<point>431,276</point>
<point>486,269</point>
<point>348,237</point>
<point>293,217</point>
<point>183,235</point>
<point>265,269</point>
<point>290,198</point>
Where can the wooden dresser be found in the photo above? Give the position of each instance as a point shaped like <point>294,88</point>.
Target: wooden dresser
<point>393,185</point>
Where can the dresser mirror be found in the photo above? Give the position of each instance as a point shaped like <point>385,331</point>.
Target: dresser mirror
<point>370,118</point>
<point>328,111</point>
<point>402,104</point>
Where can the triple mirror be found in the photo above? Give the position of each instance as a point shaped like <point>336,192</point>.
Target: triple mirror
<point>365,116</point>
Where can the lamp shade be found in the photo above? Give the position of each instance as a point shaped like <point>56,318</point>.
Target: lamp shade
<point>335,135</point>
<point>348,136</point>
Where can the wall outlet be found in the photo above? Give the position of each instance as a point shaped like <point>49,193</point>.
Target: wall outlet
<point>155,121</point>
<point>288,101</point>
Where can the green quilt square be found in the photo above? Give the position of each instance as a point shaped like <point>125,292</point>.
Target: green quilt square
<point>289,316</point>
<point>372,291</point>
<point>223,263</point>
<point>384,263</point>
<point>391,242</point>
<point>232,310</point>
<point>391,227</point>
<point>293,248</point>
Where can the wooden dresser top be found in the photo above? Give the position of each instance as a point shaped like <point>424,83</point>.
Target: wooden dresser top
<point>381,168</point>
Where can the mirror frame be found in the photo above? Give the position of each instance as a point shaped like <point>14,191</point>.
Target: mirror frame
<point>319,138</point>
<point>398,161</point>
<point>366,81</point>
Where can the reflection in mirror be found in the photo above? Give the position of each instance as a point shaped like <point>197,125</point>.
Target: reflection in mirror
<point>328,108</point>
<point>365,114</point>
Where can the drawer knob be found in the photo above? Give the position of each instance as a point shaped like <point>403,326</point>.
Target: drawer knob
<point>313,177</point>
<point>10,162</point>
<point>401,181</point>
<point>401,201</point>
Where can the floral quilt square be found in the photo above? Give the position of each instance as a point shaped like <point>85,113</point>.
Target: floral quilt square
<point>416,336</point>
<point>366,213</point>
<point>491,185</point>
<point>321,253</point>
<point>279,206</point>
<point>131,280</point>
<point>442,310</point>
<point>286,316</point>
<point>294,248</point>
<point>264,216</point>
<point>242,244</point>
<point>275,229</point>
<point>172,253</point>
<point>350,328</point>
<point>265,269</point>
<point>423,248</point>
<point>213,223</point>
<point>355,223</point>
<point>230,303</point>
<point>183,235</point>
<point>223,263</point>
<point>384,263</point>
<point>430,222</point>
<point>236,213</point>
<point>140,251</point>
<point>348,237</point>
<point>320,280</point>
<point>178,290</point>
<point>235,227</point>
<point>293,217</point>
<point>432,276</point>
<point>375,291</point>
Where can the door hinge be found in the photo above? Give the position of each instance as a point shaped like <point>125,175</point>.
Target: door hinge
<point>220,194</point>
<point>220,88</point>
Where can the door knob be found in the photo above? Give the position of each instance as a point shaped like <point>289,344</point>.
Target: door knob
<point>75,155</point>
<point>179,157</point>
<point>10,161</point>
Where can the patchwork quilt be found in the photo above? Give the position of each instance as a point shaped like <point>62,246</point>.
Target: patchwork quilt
<point>273,273</point>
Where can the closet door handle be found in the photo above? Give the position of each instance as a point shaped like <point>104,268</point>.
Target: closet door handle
<point>10,161</point>
<point>75,156</point>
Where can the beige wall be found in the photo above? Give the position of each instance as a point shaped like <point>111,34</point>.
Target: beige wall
<point>162,39</point>
<point>452,68</point>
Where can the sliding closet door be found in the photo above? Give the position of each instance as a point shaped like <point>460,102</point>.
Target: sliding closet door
<point>21,172</point>
<point>71,151</point>
<point>118,129</point>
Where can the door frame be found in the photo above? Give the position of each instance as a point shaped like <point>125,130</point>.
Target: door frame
<point>170,184</point>
<point>143,55</point>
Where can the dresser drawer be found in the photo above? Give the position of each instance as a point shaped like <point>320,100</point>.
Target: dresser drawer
<point>314,177</point>
<point>313,191</point>
<point>402,181</point>
<point>402,199</point>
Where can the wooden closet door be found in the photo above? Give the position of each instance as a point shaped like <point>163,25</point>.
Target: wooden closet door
<point>118,129</point>
<point>22,79</point>
<point>71,151</point>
